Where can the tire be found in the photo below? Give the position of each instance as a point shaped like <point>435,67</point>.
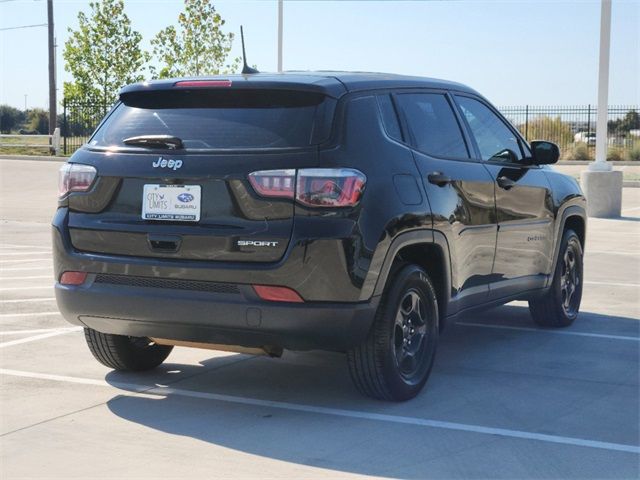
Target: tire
<point>125,353</point>
<point>559,306</point>
<point>405,325</point>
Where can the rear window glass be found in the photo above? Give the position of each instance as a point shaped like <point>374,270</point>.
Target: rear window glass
<point>221,119</point>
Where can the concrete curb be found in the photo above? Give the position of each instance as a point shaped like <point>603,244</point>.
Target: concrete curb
<point>587,162</point>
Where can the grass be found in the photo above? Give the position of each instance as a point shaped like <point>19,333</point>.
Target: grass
<point>7,145</point>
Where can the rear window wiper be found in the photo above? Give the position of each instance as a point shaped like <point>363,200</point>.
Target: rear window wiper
<point>151,141</point>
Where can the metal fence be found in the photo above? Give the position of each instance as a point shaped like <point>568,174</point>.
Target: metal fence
<point>571,127</point>
<point>79,120</point>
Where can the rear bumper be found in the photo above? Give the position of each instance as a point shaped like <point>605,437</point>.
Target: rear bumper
<point>222,318</point>
<point>227,313</point>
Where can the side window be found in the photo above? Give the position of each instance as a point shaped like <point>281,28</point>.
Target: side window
<point>432,125</point>
<point>495,140</point>
<point>389,117</point>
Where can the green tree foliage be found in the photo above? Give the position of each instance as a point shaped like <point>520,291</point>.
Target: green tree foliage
<point>103,54</point>
<point>197,47</point>
<point>621,126</point>
<point>551,129</point>
<point>10,118</point>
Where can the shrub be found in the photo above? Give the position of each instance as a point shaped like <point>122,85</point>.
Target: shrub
<point>615,154</point>
<point>633,154</point>
<point>577,151</point>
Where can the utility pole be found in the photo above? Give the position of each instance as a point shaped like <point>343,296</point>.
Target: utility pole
<point>25,102</point>
<point>280,7</point>
<point>52,70</point>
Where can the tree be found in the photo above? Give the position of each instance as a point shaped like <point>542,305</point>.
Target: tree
<point>38,121</point>
<point>197,47</point>
<point>10,118</point>
<point>548,128</point>
<point>622,126</point>
<point>103,54</point>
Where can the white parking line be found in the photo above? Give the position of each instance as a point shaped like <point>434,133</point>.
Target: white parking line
<point>15,254</point>
<point>24,260</point>
<point>613,284</point>
<point>28,300</point>
<point>30,314</point>
<point>28,277</point>
<point>614,252</point>
<point>361,415</point>
<point>39,330</point>
<point>19,269</point>
<point>553,332</point>
<point>8,289</point>
<point>39,337</point>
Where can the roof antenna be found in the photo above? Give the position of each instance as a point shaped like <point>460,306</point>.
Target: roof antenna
<point>246,69</point>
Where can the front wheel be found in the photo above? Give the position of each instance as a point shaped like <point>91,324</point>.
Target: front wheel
<point>395,360</point>
<point>559,306</point>
<point>126,353</point>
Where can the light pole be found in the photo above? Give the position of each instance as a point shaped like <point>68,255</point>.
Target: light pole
<point>280,7</point>
<point>601,184</point>
<point>601,163</point>
<point>52,69</point>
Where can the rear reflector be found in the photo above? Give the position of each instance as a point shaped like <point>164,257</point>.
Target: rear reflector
<point>73,278</point>
<point>202,83</point>
<point>277,294</point>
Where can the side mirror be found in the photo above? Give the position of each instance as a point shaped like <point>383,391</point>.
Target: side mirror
<point>544,153</point>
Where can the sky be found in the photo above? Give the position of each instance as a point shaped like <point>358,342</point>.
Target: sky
<point>514,52</point>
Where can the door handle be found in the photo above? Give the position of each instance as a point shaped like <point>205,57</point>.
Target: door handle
<point>505,182</point>
<point>439,179</point>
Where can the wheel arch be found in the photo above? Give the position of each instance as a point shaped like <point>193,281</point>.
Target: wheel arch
<point>428,249</point>
<point>574,217</point>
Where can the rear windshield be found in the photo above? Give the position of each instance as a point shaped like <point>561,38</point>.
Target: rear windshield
<point>221,119</point>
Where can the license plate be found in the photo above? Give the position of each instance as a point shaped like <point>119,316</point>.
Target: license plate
<point>177,203</point>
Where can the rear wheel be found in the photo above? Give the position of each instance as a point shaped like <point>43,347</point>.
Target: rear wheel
<point>121,352</point>
<point>560,305</point>
<point>395,360</point>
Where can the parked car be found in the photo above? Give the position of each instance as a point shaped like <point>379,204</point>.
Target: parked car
<point>351,212</point>
<point>585,137</point>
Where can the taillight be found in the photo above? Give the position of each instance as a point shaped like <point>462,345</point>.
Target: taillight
<point>313,187</point>
<point>75,177</point>
<point>274,183</point>
<point>330,187</point>
<point>202,83</point>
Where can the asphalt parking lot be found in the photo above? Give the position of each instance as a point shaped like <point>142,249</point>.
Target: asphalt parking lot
<point>505,399</point>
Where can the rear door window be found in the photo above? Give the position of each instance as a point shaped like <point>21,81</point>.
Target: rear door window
<point>227,119</point>
<point>433,127</point>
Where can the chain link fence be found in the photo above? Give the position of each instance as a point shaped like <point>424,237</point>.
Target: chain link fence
<point>573,128</point>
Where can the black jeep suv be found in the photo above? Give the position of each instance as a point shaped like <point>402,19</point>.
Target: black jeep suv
<point>352,212</point>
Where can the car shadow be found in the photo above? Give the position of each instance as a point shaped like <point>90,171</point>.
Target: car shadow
<point>321,379</point>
